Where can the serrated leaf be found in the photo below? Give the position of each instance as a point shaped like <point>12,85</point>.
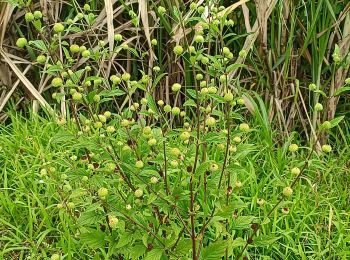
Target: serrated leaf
<point>265,240</point>
<point>232,67</point>
<point>154,254</point>
<point>243,222</point>
<point>93,238</point>
<point>340,91</point>
<point>335,121</point>
<point>238,242</point>
<point>124,240</point>
<point>39,44</point>
<point>190,103</point>
<point>214,251</point>
<point>137,251</point>
<point>112,93</point>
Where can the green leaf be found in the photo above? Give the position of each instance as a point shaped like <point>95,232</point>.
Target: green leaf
<point>93,238</point>
<point>214,251</point>
<point>340,91</point>
<point>192,93</point>
<point>265,240</point>
<point>336,121</point>
<point>137,251</point>
<point>39,44</point>
<point>152,105</point>
<point>238,242</point>
<point>243,222</point>
<point>154,254</point>
<point>124,240</point>
<point>112,93</point>
<point>232,67</point>
<point>190,103</point>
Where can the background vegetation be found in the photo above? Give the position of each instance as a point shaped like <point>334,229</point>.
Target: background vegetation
<point>74,120</point>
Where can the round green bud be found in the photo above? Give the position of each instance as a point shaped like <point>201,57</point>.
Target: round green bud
<point>154,42</point>
<point>318,107</point>
<point>125,123</point>
<point>56,82</point>
<point>152,142</point>
<point>160,103</point>
<point>176,87</point>
<point>115,79</point>
<point>144,101</point>
<point>98,125</point>
<point>199,39</point>
<point>138,193</point>
<point>80,16</point>
<point>21,42</point>
<point>167,108</point>
<point>126,76</point>
<point>191,49</point>
<point>293,148</point>
<point>228,97</point>
<point>38,15</point>
<point>193,6</point>
<point>204,91</point>
<point>213,167</point>
<point>156,68</point>
<point>212,90</point>
<point>110,129</point>
<point>200,77</point>
<point>96,98</point>
<point>244,127</point>
<point>211,121</point>
<point>74,48</point>
<point>184,136</point>
<point>295,171</point>
<point>70,205</point>
<point>87,7</point>
<point>260,201</point>
<point>201,9</point>
<point>312,87</point>
<point>205,60</point>
<point>29,17</point>
<point>113,222</point>
<point>174,163</point>
<point>102,193</point>
<point>178,50</point>
<point>287,191</point>
<point>237,139</point>
<point>347,81</point>
<point>175,110</point>
<point>86,54</point>
<point>147,130</point>
<point>41,59</point>
<point>154,180</point>
<point>82,48</point>
<point>326,148</point>
<point>55,257</point>
<point>243,53</point>
<point>226,51</point>
<point>240,101</point>
<point>223,78</point>
<point>77,96</point>
<point>175,152</point>
<point>161,10</point>
<point>118,37</point>
<point>58,28</point>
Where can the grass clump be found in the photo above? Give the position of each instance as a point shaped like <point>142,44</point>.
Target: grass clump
<point>152,156</point>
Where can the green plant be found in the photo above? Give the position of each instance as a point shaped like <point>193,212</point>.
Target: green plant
<point>132,176</point>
